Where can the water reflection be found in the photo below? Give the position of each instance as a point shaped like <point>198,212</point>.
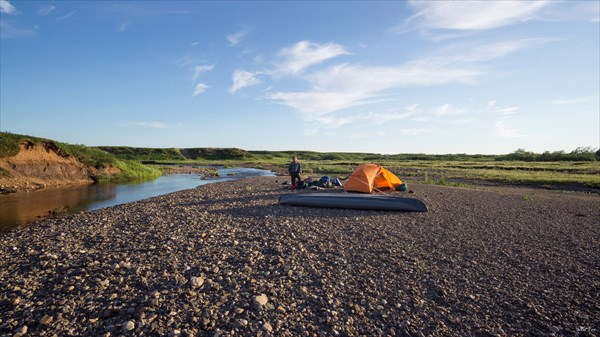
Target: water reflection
<point>17,209</point>
<point>22,208</point>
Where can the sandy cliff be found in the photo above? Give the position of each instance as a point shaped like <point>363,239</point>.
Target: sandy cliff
<point>38,165</point>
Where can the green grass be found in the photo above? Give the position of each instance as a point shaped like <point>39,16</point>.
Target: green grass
<point>143,154</point>
<point>4,172</point>
<point>9,146</point>
<point>132,171</point>
<point>579,167</point>
<point>9,143</point>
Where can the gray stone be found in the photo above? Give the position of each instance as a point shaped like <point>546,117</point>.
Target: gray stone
<point>260,300</point>
<point>267,327</point>
<point>196,282</point>
<point>130,325</point>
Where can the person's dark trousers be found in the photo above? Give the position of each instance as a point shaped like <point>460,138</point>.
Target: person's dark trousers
<point>295,178</point>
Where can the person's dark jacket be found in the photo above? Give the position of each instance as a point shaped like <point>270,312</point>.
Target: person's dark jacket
<point>294,168</point>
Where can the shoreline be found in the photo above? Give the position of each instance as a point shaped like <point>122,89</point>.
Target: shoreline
<point>198,262</point>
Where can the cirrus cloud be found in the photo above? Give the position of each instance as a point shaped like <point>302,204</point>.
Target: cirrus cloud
<point>199,88</point>
<point>236,37</point>
<point>6,7</point>
<point>242,79</point>
<point>470,15</point>
<point>305,54</point>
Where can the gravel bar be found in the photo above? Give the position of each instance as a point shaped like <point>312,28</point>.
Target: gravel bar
<point>226,259</point>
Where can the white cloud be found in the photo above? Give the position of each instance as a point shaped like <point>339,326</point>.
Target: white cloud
<point>504,129</point>
<point>368,135</point>
<point>413,131</point>
<point>470,15</point>
<point>346,86</point>
<point>200,69</point>
<point>7,31</point>
<point>200,88</point>
<point>236,37</point>
<point>571,101</point>
<point>565,11</point>
<point>242,79</point>
<point>503,111</point>
<point>304,54</point>
<point>156,8</point>
<point>448,110</point>
<point>460,121</point>
<point>66,16</point>
<point>496,50</point>
<point>123,27</point>
<point>6,7</point>
<point>318,103</point>
<point>472,54</point>
<point>511,110</point>
<point>45,10</point>
<point>188,60</point>
<point>380,118</point>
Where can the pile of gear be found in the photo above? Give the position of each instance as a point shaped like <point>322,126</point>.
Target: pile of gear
<point>324,182</point>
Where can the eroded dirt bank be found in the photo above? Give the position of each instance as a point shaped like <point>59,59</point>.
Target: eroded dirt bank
<point>38,165</point>
<point>225,259</point>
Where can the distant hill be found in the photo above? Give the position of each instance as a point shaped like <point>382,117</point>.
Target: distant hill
<point>174,154</point>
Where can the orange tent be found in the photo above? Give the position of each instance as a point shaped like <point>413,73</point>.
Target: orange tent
<point>367,177</point>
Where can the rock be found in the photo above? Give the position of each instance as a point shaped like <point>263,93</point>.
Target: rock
<point>349,273</point>
<point>196,282</point>
<point>46,320</point>
<point>260,300</point>
<point>267,327</point>
<point>21,330</point>
<point>240,323</point>
<point>130,325</point>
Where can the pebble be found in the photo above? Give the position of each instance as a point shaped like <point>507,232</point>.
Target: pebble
<point>21,330</point>
<point>197,281</point>
<point>46,320</point>
<point>260,300</point>
<point>267,327</point>
<point>308,272</point>
<point>240,323</point>
<point>130,325</point>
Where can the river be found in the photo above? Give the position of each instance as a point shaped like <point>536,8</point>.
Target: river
<point>22,208</point>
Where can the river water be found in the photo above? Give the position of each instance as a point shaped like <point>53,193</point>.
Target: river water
<point>18,209</point>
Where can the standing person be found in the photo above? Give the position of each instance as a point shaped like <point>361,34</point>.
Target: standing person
<point>294,169</point>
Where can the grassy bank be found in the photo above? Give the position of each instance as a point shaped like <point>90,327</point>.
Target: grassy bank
<point>131,170</point>
<point>579,167</point>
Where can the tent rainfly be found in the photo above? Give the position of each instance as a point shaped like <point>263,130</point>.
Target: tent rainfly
<point>368,177</point>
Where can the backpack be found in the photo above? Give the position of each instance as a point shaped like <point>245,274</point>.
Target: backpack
<point>324,182</point>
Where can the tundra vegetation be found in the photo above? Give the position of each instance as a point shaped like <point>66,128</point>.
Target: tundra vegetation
<point>579,168</point>
<point>131,170</point>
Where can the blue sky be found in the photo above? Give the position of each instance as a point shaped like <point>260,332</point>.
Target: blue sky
<point>381,77</point>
